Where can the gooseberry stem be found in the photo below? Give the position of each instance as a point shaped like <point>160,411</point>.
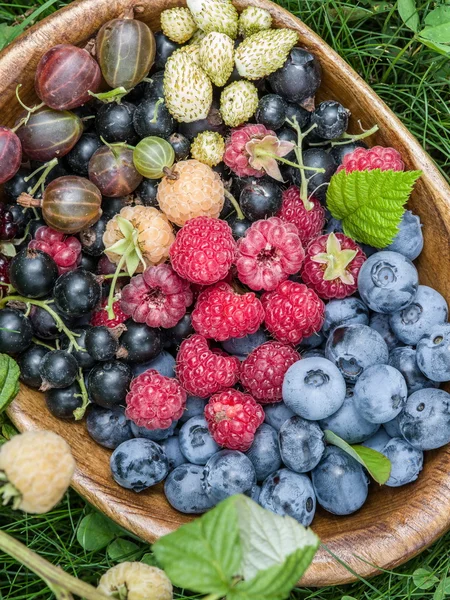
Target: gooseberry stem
<point>45,171</point>
<point>299,154</point>
<point>29,110</point>
<point>79,412</point>
<point>234,202</point>
<point>59,322</point>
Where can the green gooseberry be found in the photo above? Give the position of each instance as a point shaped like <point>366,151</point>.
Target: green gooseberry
<point>152,155</point>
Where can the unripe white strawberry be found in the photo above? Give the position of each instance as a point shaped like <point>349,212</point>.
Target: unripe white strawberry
<point>217,57</point>
<point>208,147</point>
<point>177,24</point>
<point>238,103</point>
<point>253,19</point>
<point>215,15</point>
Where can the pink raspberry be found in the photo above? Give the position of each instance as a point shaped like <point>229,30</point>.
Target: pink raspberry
<point>308,222</point>
<point>263,371</point>
<point>158,297</point>
<point>100,316</point>
<point>367,159</point>
<point>65,250</point>
<point>221,313</point>
<point>233,418</point>
<point>332,265</point>
<point>270,251</point>
<point>236,156</point>
<point>293,312</point>
<point>203,371</point>
<point>155,401</point>
<point>203,250</point>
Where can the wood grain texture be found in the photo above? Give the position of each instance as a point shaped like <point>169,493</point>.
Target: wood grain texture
<point>395,524</point>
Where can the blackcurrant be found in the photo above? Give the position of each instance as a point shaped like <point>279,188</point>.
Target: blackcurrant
<point>340,151</point>
<point>114,123</point>
<point>29,363</point>
<point>317,182</point>
<point>287,134</point>
<point>87,114</point>
<point>17,185</point>
<point>238,226</point>
<point>213,122</point>
<point>261,199</point>
<point>21,217</point>
<point>302,115</point>
<point>139,343</point>
<point>58,369</point>
<point>164,49</point>
<point>181,331</point>
<point>92,238</point>
<point>80,155</point>
<point>57,171</point>
<point>16,332</point>
<point>8,228</point>
<point>35,224</point>
<point>330,119</point>
<point>108,383</point>
<point>299,78</point>
<point>113,206</point>
<point>181,145</point>
<point>62,402</point>
<point>33,273</point>
<point>84,359</point>
<point>154,88</point>
<point>77,293</point>
<point>151,118</point>
<point>44,325</point>
<point>88,262</point>
<point>271,111</point>
<point>147,192</point>
<point>101,343</point>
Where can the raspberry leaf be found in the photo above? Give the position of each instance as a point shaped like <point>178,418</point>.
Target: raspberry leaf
<point>378,465</point>
<point>370,203</point>
<point>9,381</point>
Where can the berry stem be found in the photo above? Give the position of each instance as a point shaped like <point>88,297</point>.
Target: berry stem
<point>29,110</point>
<point>121,263</point>
<point>61,583</point>
<point>114,95</point>
<point>348,138</point>
<point>299,154</point>
<point>59,322</point>
<point>235,203</point>
<point>155,114</point>
<point>8,492</point>
<point>79,412</point>
<point>45,171</point>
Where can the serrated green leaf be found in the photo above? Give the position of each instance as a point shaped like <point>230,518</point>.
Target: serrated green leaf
<point>125,227</point>
<point>424,579</point>
<point>378,465</point>
<point>9,381</point>
<point>120,550</point>
<point>132,263</point>
<point>370,203</point>
<point>203,556</point>
<point>95,532</point>
<point>408,12</point>
<point>268,539</point>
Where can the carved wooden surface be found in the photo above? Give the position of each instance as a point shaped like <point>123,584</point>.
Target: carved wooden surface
<point>395,524</point>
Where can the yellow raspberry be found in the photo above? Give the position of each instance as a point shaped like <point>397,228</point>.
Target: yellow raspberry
<point>136,581</point>
<point>193,190</point>
<point>36,468</point>
<point>155,234</point>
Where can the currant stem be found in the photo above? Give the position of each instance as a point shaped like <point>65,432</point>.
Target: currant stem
<point>122,261</point>
<point>79,412</point>
<point>114,95</point>
<point>288,162</point>
<point>155,114</point>
<point>46,170</point>
<point>234,202</point>
<point>348,138</point>
<point>299,154</point>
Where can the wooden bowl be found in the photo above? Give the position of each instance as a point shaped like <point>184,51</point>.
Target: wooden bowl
<point>395,524</point>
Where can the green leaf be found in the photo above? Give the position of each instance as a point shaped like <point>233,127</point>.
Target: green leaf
<point>204,555</point>
<point>120,550</point>
<point>348,13</point>
<point>9,381</point>
<point>370,203</point>
<point>132,262</point>
<point>268,539</point>
<point>95,532</point>
<point>408,12</point>
<point>348,598</point>
<point>440,48</point>
<point>443,589</point>
<point>438,16</point>
<point>8,249</point>
<point>149,559</point>
<point>125,227</point>
<point>378,465</point>
<point>424,579</point>
<point>8,431</point>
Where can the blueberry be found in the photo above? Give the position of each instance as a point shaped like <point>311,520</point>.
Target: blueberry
<point>184,490</point>
<point>108,383</point>
<point>406,462</point>
<point>157,435</point>
<point>404,359</point>
<point>409,239</point>
<point>314,352</point>
<point>299,78</point>
<point>164,363</point>
<point>433,353</point>
<point>301,444</point>
<point>313,341</point>
<point>392,427</point>
<point>138,464</point>
<point>425,420</point>
<point>388,282</point>
<point>348,423</point>
<point>340,483</point>
<point>29,363</point>
<point>330,119</point>
<point>171,447</point>
<point>264,452</point>
<point>380,393</point>
<point>288,493</point>
<point>344,312</point>
<point>226,473</point>
<point>378,440</point>
<point>109,427</point>
<point>244,345</point>
<point>277,414</point>
<point>353,348</point>
<point>313,388</point>
<point>196,442</point>
<point>380,322</point>
<point>195,406</point>
<point>271,111</point>
<point>428,309</point>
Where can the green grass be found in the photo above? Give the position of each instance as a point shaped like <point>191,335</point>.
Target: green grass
<point>414,82</point>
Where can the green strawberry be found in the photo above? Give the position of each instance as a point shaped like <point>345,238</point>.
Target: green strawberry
<point>238,103</point>
<point>215,15</point>
<point>264,52</point>
<point>178,24</point>
<point>217,57</point>
<point>254,19</point>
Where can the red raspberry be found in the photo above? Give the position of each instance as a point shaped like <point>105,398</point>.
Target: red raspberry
<point>363,159</point>
<point>270,251</point>
<point>332,265</point>
<point>236,156</point>
<point>221,313</point>
<point>293,312</point>
<point>203,250</point>
<point>155,401</point>
<point>65,250</point>
<point>158,297</point>
<point>308,222</point>
<point>263,371</point>
<point>100,317</point>
<point>233,418</point>
<point>203,371</point>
